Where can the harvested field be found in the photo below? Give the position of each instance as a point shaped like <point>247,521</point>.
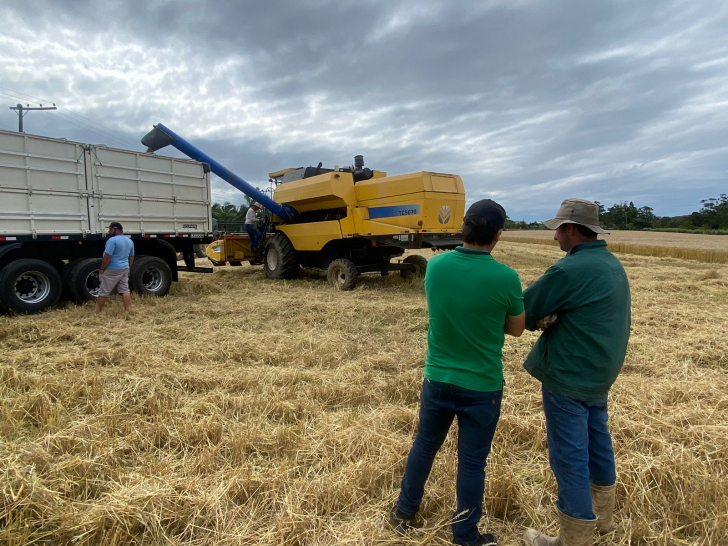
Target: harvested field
<point>689,246</point>
<point>240,410</point>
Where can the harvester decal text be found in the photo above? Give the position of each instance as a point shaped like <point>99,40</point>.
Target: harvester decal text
<point>389,212</point>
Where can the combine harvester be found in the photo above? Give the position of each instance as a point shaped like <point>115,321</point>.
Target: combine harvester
<point>345,221</point>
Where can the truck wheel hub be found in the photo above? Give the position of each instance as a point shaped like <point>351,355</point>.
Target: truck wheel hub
<point>32,287</point>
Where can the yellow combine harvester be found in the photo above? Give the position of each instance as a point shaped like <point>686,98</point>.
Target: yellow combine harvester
<point>346,221</point>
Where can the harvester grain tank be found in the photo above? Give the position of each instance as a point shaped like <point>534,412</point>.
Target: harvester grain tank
<point>346,221</point>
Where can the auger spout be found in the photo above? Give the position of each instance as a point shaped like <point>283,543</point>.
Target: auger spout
<point>161,136</point>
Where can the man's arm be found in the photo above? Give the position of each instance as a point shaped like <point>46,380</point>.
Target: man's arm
<point>105,263</point>
<point>515,324</point>
<point>131,260</point>
<point>546,296</point>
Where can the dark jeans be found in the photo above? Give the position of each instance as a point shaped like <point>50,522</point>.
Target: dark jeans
<point>477,414</point>
<point>580,450</point>
<point>255,236</point>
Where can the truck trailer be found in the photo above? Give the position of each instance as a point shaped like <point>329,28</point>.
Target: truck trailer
<point>57,198</point>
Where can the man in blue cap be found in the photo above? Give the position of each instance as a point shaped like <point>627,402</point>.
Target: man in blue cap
<point>115,267</point>
<point>472,301</point>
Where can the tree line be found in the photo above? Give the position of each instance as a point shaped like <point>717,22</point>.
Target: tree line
<point>712,217</point>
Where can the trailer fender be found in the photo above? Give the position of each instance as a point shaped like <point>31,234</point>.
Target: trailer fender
<point>169,255</point>
<point>8,248</point>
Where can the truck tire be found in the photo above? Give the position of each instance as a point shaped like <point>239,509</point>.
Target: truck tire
<point>150,276</point>
<point>83,281</point>
<point>281,261</point>
<point>66,293</point>
<point>342,274</point>
<point>200,251</point>
<point>419,264</point>
<point>29,286</point>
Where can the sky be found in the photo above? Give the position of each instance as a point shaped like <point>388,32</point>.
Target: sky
<point>530,102</point>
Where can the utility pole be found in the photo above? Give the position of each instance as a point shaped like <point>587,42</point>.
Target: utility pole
<point>19,109</point>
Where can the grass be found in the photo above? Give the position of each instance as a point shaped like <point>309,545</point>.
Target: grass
<point>240,410</point>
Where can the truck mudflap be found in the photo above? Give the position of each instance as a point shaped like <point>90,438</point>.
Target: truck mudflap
<point>438,241</point>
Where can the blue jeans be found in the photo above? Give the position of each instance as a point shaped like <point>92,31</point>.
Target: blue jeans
<point>580,450</point>
<point>254,234</point>
<point>477,414</point>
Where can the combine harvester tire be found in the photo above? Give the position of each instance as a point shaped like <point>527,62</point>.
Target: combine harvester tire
<point>419,263</point>
<point>281,261</point>
<point>342,274</point>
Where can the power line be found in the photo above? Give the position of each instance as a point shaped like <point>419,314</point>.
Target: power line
<point>125,140</point>
<point>103,127</point>
<point>74,122</point>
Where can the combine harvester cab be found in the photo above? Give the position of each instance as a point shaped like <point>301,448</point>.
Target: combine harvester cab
<point>346,221</point>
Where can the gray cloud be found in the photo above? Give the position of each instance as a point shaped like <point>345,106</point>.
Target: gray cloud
<point>529,101</point>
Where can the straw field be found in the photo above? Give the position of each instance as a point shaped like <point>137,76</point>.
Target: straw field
<point>689,246</point>
<point>240,410</point>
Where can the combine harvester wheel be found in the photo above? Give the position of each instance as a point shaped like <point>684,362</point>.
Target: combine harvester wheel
<point>419,264</point>
<point>342,274</point>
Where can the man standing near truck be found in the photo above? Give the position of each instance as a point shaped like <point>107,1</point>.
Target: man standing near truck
<point>472,302</point>
<point>582,303</point>
<point>251,226</point>
<point>115,267</point>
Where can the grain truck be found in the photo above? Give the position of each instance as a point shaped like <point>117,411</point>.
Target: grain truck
<point>57,198</point>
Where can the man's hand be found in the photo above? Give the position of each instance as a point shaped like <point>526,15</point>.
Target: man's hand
<point>547,321</point>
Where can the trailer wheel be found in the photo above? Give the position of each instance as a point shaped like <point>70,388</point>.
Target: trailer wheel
<point>150,276</point>
<point>66,293</point>
<point>342,274</point>
<point>83,281</point>
<point>419,265</point>
<point>200,251</point>
<point>281,261</point>
<point>29,286</point>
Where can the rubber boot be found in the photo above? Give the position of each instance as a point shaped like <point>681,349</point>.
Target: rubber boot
<point>572,532</point>
<point>603,502</point>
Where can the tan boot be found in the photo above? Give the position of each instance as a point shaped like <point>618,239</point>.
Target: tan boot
<point>572,532</point>
<point>603,501</point>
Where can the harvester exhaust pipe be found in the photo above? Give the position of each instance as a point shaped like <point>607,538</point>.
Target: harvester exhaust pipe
<point>361,172</point>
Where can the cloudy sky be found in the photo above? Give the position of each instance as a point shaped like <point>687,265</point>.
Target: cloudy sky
<point>529,101</point>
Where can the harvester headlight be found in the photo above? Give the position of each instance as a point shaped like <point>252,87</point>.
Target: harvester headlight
<point>218,248</point>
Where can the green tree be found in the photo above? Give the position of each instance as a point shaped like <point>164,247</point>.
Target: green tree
<point>714,213</point>
<point>227,212</point>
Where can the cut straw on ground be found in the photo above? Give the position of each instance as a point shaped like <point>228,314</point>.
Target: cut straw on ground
<point>241,410</point>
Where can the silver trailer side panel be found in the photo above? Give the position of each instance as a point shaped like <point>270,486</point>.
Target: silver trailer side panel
<point>52,186</point>
<point>42,186</point>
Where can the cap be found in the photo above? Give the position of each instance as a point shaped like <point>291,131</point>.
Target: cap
<point>115,225</point>
<point>493,213</point>
<point>577,211</point>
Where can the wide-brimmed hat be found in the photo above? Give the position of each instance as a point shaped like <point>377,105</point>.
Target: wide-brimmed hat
<point>577,211</point>
<point>256,204</point>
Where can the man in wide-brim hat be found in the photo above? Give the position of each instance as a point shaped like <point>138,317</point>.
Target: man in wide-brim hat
<point>582,304</point>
